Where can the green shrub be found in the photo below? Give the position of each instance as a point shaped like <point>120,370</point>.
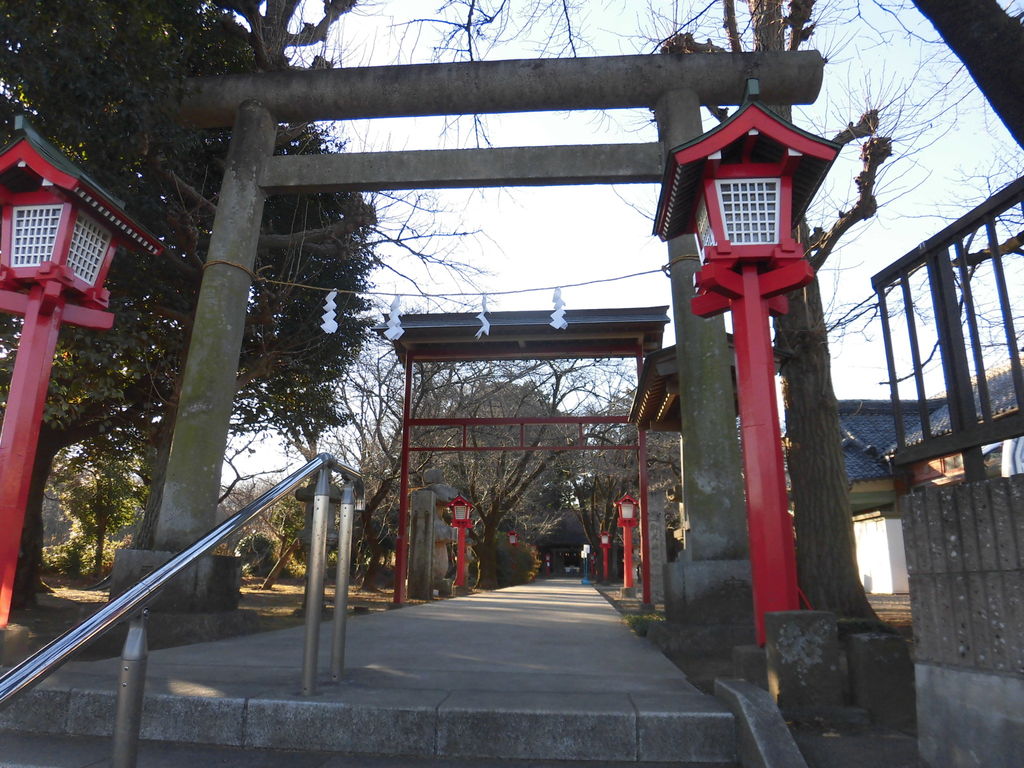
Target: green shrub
<point>516,565</point>
<point>258,553</point>
<point>72,558</point>
<point>639,622</point>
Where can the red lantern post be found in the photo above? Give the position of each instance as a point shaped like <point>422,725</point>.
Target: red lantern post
<point>58,235</point>
<point>513,538</point>
<point>606,545</point>
<point>741,188</point>
<point>461,521</point>
<point>627,521</point>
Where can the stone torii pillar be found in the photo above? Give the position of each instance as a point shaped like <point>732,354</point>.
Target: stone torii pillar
<point>708,593</point>
<point>253,103</point>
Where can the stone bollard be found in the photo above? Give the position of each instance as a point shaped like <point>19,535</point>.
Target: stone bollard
<point>421,545</point>
<point>13,644</point>
<point>882,678</point>
<point>749,663</point>
<point>802,650</point>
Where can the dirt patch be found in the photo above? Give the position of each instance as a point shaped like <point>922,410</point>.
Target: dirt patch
<point>280,607</point>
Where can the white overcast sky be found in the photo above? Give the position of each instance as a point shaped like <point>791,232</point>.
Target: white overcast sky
<point>541,237</point>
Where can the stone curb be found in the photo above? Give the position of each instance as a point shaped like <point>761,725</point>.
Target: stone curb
<point>763,740</point>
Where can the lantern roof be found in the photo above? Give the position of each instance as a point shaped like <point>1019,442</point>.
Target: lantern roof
<point>30,162</point>
<point>753,134</point>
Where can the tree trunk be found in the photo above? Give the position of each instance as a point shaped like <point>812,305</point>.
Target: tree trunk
<point>373,546</point>
<point>144,533</point>
<point>989,43</point>
<point>826,554</point>
<point>279,566</point>
<point>486,550</point>
<point>30,559</point>
<point>101,535</point>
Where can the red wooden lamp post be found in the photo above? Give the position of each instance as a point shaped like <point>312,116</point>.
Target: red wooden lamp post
<point>627,521</point>
<point>58,235</point>
<point>741,188</point>
<point>606,545</point>
<point>461,520</point>
<point>513,538</point>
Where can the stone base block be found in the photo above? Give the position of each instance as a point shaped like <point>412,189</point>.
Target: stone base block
<point>13,644</point>
<point>443,587</point>
<point>708,592</point>
<point>627,593</point>
<point>802,650</point>
<point>679,639</point>
<point>211,585</point>
<point>882,678</point>
<point>969,718</point>
<point>750,664</point>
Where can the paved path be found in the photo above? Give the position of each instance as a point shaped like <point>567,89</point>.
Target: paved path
<point>542,671</point>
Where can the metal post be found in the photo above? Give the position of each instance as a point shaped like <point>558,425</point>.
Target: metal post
<point>347,512</point>
<point>315,580</point>
<point>130,690</point>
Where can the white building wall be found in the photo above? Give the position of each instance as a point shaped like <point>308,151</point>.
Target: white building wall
<point>880,557</point>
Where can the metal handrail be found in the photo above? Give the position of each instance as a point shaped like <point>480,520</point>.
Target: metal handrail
<point>49,658</point>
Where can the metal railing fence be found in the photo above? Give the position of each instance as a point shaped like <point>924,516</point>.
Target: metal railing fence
<point>131,604</point>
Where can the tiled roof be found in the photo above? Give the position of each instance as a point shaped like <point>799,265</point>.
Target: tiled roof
<point>1002,399</point>
<point>868,437</point>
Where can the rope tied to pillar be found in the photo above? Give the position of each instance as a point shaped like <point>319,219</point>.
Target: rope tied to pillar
<point>252,275</point>
<point>667,269</point>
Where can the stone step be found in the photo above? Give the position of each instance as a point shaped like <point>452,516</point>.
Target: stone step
<point>31,751</point>
<point>683,729</point>
<point>545,671</point>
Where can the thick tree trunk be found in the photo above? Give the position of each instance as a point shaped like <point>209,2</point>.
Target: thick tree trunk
<point>372,545</point>
<point>30,560</point>
<point>101,535</point>
<point>826,554</point>
<point>989,42</point>
<point>486,550</point>
<point>144,532</point>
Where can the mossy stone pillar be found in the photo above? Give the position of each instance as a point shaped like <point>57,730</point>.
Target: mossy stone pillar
<point>189,504</point>
<point>709,585</point>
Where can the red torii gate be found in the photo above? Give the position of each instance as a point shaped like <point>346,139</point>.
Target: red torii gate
<point>523,335</point>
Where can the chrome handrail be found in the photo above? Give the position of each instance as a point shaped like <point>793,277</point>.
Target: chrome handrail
<point>46,660</point>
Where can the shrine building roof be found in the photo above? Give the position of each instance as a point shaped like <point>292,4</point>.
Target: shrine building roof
<point>528,335</point>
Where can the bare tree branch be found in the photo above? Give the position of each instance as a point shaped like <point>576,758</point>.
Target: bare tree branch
<point>873,153</point>
<point>731,30</point>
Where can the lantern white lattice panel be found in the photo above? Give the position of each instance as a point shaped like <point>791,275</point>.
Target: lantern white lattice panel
<point>750,210</point>
<point>704,230</point>
<point>35,230</point>
<point>88,247</point>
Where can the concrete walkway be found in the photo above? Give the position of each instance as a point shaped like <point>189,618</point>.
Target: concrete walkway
<point>543,671</point>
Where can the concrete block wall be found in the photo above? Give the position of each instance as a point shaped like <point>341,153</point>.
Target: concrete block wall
<point>965,558</point>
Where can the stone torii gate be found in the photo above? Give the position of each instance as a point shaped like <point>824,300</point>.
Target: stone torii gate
<point>674,86</point>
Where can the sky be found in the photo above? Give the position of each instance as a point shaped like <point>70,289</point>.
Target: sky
<point>531,238</point>
<point>950,152</point>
